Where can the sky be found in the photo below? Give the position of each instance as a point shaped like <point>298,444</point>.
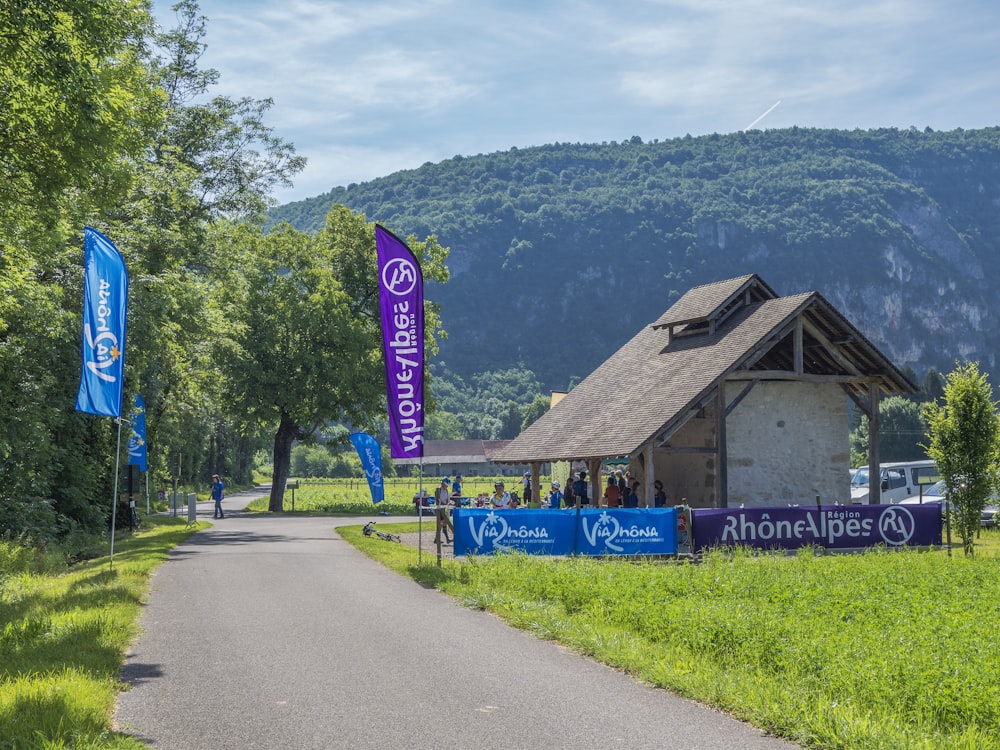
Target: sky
<point>366,88</point>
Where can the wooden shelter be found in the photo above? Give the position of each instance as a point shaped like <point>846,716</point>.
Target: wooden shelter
<point>733,396</point>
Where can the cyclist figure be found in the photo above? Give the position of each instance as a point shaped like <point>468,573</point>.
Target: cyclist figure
<point>218,495</point>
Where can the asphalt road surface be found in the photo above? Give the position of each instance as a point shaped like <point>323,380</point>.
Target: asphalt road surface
<point>271,632</point>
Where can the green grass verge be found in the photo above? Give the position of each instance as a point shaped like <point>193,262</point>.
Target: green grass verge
<point>880,650</point>
<point>63,636</point>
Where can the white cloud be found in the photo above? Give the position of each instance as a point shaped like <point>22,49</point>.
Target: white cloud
<point>366,88</point>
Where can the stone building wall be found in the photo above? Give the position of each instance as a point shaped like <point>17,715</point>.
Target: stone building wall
<point>788,443</point>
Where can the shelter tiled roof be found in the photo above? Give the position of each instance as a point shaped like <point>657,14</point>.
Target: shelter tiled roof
<point>653,383</point>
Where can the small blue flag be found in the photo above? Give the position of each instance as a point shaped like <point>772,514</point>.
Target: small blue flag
<point>371,461</point>
<point>137,440</point>
<point>105,299</point>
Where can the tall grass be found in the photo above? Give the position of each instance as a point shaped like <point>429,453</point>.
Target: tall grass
<point>63,634</point>
<point>881,650</point>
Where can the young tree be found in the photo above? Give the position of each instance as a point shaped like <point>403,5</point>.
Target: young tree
<point>964,441</point>
<point>305,342</point>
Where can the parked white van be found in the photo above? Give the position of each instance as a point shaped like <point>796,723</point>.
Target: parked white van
<point>900,480</point>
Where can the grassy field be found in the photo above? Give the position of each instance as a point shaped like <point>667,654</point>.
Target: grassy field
<point>881,650</point>
<point>352,496</point>
<point>63,636</point>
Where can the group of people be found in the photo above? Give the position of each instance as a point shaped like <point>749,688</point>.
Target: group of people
<point>621,491</point>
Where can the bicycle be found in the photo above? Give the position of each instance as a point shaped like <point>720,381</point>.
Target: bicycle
<point>369,530</point>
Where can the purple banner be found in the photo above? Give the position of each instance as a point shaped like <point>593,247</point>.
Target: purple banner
<point>830,526</point>
<point>401,300</point>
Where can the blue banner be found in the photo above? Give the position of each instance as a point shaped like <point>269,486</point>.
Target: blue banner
<point>829,526</point>
<point>594,531</point>
<point>370,453</point>
<point>137,439</point>
<point>105,299</point>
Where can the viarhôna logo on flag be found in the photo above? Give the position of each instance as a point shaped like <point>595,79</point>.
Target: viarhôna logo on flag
<point>105,300</point>
<point>401,303</point>
<point>370,454</point>
<point>137,440</point>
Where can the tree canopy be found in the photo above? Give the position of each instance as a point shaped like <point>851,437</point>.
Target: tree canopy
<point>99,125</point>
<point>305,345</point>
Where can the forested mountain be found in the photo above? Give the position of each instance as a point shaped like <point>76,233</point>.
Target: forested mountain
<point>560,253</point>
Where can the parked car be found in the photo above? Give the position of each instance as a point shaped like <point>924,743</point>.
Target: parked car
<point>935,494</point>
<point>899,480</point>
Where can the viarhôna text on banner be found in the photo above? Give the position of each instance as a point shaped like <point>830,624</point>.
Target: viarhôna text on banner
<point>401,302</point>
<point>105,300</point>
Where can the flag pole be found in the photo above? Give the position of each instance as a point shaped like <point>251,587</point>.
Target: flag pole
<point>420,510</point>
<point>114,497</point>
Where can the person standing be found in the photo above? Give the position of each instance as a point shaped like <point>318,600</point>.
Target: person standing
<point>444,523</point>
<point>580,489</point>
<point>632,499</point>
<point>659,496</point>
<point>612,497</point>
<point>218,495</point>
<point>526,488</point>
<point>456,487</point>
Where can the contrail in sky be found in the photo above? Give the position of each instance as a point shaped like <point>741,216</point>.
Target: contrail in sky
<point>770,109</point>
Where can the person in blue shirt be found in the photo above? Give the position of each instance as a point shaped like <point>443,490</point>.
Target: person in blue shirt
<point>580,489</point>
<point>659,496</point>
<point>456,486</point>
<point>632,498</point>
<point>555,498</point>
<point>218,495</point>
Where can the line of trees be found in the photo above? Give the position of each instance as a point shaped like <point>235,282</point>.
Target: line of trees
<point>237,340</point>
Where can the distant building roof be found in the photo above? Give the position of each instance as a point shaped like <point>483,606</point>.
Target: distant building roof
<point>457,452</point>
<point>670,369</point>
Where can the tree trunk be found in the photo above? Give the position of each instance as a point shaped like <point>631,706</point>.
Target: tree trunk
<point>287,432</point>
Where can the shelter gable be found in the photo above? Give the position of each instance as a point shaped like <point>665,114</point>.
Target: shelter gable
<point>705,307</point>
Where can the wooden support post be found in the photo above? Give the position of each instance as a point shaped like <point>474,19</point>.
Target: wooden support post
<point>594,470</point>
<point>721,454</point>
<point>650,474</point>
<point>874,475</point>
<point>797,349</point>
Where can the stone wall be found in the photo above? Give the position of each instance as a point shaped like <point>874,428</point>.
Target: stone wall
<point>788,443</point>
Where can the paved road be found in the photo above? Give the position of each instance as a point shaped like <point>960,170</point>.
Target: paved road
<point>272,632</point>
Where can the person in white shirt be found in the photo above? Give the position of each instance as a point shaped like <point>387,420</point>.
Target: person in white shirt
<point>500,498</point>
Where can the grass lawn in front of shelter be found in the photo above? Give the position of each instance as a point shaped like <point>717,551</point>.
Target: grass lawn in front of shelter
<point>876,650</point>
